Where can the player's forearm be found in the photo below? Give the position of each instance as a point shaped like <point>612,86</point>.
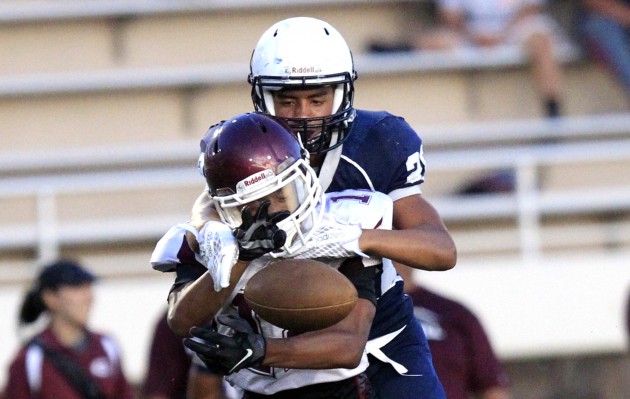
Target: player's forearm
<point>423,248</point>
<point>339,346</point>
<point>329,351</point>
<point>197,303</point>
<point>184,309</point>
<point>421,239</point>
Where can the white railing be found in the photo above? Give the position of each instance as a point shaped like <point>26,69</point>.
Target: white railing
<point>526,131</point>
<point>437,138</point>
<point>527,205</point>
<point>33,11</point>
<point>222,73</point>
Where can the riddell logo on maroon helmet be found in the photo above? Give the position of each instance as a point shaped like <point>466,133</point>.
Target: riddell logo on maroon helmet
<point>253,180</point>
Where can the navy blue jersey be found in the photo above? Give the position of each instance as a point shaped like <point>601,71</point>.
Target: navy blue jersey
<point>382,153</point>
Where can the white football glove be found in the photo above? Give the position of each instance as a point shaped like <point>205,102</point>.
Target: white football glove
<point>333,240</point>
<point>218,250</point>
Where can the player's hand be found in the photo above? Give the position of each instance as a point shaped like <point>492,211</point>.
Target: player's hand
<point>228,354</point>
<point>202,211</point>
<point>258,235</point>
<point>219,252</point>
<point>334,240</point>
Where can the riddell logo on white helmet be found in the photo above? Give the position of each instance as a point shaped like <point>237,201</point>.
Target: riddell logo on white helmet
<point>303,69</point>
<point>253,181</point>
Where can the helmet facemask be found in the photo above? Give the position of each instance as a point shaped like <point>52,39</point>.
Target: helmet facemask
<point>318,134</point>
<point>295,188</point>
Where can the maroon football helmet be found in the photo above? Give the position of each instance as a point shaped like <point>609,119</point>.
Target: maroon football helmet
<point>254,156</point>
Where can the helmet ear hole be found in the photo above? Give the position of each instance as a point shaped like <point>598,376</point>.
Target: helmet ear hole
<point>339,97</point>
<point>200,165</point>
<point>269,107</point>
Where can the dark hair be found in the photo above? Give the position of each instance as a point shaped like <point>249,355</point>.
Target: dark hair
<point>52,276</point>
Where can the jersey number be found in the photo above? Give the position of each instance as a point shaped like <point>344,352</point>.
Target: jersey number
<point>362,199</point>
<point>415,167</point>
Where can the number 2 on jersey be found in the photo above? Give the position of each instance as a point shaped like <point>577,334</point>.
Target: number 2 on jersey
<point>415,167</point>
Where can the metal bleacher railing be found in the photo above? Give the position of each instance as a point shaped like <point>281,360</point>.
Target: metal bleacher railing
<point>172,166</point>
<point>207,75</point>
<point>30,11</point>
<point>46,176</point>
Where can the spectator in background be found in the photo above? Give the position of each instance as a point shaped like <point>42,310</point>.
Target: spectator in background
<point>491,23</point>
<point>604,26</point>
<point>173,375</point>
<point>462,354</point>
<point>66,360</point>
<point>167,373</point>
<point>488,23</point>
<point>204,384</point>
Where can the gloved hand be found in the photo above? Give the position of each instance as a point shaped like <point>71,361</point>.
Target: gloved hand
<point>219,251</point>
<point>332,239</point>
<point>224,353</point>
<point>258,235</point>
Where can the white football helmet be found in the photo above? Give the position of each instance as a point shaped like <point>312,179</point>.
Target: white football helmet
<point>253,156</point>
<point>305,52</point>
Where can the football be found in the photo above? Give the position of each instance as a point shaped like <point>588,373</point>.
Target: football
<point>300,295</point>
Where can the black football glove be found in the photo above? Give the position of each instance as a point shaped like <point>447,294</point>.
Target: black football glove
<point>258,235</point>
<point>224,353</point>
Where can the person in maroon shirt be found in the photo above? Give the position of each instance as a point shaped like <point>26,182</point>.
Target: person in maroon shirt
<point>172,373</point>
<point>462,354</point>
<point>63,291</point>
<point>167,374</point>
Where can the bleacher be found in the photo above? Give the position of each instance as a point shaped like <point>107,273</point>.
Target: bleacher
<point>103,103</point>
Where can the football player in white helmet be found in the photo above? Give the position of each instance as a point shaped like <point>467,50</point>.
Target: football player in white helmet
<point>298,65</point>
<point>302,72</point>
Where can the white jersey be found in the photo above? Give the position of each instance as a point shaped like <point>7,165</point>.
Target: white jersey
<point>368,209</point>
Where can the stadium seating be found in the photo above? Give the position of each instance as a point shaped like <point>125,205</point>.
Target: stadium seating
<point>103,103</point>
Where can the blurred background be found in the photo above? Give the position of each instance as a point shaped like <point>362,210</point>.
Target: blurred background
<point>103,103</point>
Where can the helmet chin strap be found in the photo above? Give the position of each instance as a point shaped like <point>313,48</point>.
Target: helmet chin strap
<point>334,136</point>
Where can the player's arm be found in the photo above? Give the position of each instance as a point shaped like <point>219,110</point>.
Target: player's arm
<point>340,345</point>
<point>419,238</point>
<point>196,302</point>
<point>420,241</point>
<point>193,285</point>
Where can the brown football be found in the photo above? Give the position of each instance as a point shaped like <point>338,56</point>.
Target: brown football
<point>300,295</point>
